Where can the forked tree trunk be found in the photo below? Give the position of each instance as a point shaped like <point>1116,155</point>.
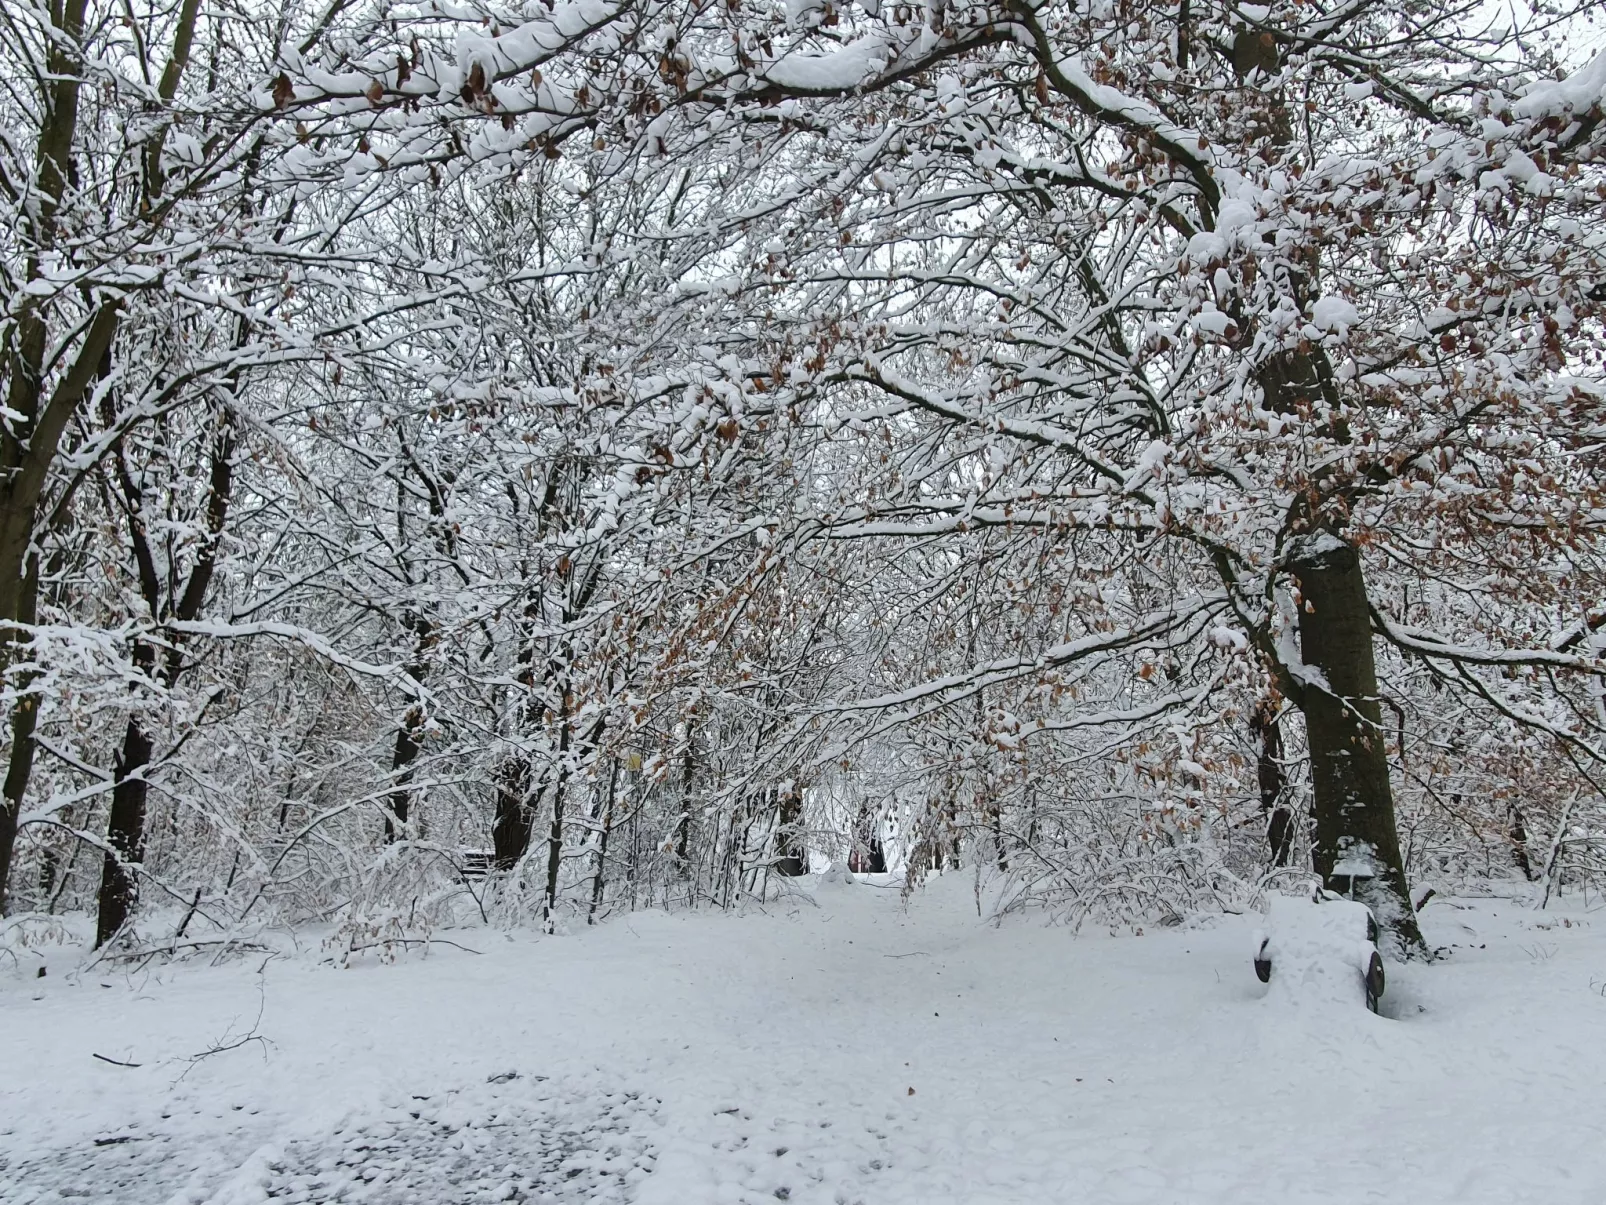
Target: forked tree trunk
<point>39,414</point>
<point>1356,845</point>
<point>125,828</point>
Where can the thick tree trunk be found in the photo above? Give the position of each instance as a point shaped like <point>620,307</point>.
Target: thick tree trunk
<point>24,716</point>
<point>125,832</point>
<point>514,824</point>
<point>28,442</point>
<point>1356,846</point>
<point>10,809</point>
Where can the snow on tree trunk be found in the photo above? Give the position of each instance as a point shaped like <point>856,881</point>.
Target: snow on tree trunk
<point>125,833</point>
<point>1356,845</point>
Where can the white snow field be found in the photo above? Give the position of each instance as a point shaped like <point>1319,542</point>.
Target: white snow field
<point>837,1049</point>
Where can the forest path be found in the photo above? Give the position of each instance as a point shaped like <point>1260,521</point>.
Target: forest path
<point>834,1049</point>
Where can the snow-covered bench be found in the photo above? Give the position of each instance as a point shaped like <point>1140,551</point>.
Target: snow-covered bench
<point>1320,947</point>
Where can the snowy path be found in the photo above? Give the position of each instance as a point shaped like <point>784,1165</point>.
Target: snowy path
<point>712,1060</point>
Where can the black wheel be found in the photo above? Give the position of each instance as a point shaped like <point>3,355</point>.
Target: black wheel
<point>1373,980</point>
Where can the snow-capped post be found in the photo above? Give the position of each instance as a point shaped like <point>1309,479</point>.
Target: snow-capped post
<point>1357,850</point>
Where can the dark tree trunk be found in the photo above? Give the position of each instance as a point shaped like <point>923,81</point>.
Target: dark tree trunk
<point>996,816</point>
<point>410,736</point>
<point>401,761</point>
<point>602,842</point>
<point>793,860</point>
<point>875,856</point>
<point>24,716</point>
<point>554,851</point>
<point>50,865</point>
<point>1273,783</point>
<point>1518,833</point>
<point>40,417</point>
<point>125,829</point>
<point>10,809</point>
<point>683,842</point>
<point>39,414</point>
<point>1356,846</point>
<point>688,769</point>
<point>867,856</point>
<point>125,833</point>
<point>514,825</point>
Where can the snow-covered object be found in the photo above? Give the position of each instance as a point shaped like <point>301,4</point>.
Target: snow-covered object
<point>1320,951</point>
<point>1334,314</point>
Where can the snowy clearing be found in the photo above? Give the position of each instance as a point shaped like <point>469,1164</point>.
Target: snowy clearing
<point>836,1049</point>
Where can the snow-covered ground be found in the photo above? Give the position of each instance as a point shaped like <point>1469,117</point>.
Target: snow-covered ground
<point>833,1050</point>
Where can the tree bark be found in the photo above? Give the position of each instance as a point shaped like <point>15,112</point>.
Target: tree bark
<point>602,841</point>
<point>514,824</point>
<point>554,847</point>
<point>409,738</point>
<point>24,717</point>
<point>125,828</point>
<point>554,855</point>
<point>688,770</point>
<point>125,833</point>
<point>1356,845</point>
<point>28,447</point>
<point>1518,834</point>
